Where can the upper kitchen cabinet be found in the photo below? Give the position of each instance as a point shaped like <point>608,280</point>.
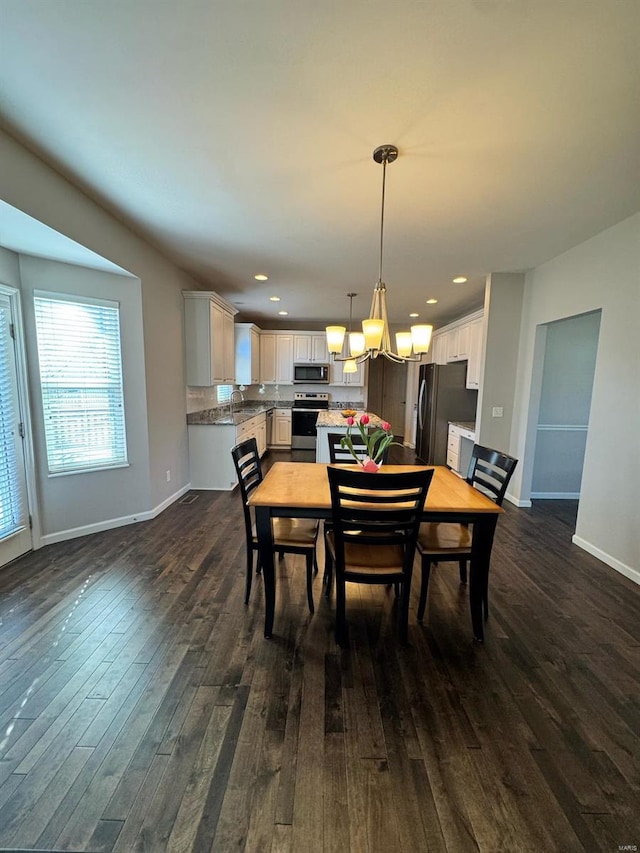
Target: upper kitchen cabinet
<point>475,353</point>
<point>276,359</point>
<point>458,343</point>
<point>247,354</point>
<point>209,337</point>
<point>339,377</point>
<point>439,345</point>
<point>310,349</point>
<point>461,341</point>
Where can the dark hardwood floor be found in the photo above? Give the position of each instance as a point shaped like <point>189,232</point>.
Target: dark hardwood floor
<point>142,710</point>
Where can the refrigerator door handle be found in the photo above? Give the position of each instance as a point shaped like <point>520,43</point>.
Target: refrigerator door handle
<point>420,406</point>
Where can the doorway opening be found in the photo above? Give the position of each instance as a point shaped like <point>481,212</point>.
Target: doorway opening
<point>386,393</point>
<point>566,369</point>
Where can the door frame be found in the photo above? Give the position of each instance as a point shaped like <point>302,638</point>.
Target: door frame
<point>14,297</point>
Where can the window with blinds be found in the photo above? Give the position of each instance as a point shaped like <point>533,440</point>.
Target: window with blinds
<point>81,380</point>
<point>223,393</point>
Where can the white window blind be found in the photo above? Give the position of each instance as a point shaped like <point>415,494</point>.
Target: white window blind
<point>81,379</point>
<point>223,393</point>
<point>12,508</point>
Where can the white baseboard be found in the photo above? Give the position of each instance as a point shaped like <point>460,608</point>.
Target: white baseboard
<point>516,501</point>
<point>627,571</point>
<point>111,523</point>
<point>555,496</point>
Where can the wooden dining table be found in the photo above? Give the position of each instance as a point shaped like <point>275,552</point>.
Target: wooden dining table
<point>301,490</point>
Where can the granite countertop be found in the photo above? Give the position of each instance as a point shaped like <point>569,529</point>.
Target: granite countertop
<point>221,417</point>
<point>333,418</point>
<point>470,425</point>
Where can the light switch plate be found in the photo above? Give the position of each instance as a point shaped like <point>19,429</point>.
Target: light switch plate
<point>497,412</point>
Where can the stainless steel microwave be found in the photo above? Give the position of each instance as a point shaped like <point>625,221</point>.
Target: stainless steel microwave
<point>311,374</point>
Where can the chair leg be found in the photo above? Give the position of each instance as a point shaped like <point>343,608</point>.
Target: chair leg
<point>249,576</point>
<point>328,571</point>
<point>341,616</point>
<point>310,561</point>
<point>463,572</point>
<point>424,586</point>
<point>403,611</point>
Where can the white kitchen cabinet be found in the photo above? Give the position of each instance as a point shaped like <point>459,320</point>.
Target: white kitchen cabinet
<point>310,349</point>
<point>209,338</point>
<point>247,354</point>
<point>319,351</point>
<point>210,445</point>
<point>276,359</point>
<point>284,359</point>
<point>267,358</point>
<point>475,353</point>
<point>281,434</point>
<point>440,344</point>
<point>459,446</point>
<point>337,376</point>
<point>458,343</point>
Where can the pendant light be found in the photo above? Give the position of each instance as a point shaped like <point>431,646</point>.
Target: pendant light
<point>374,339</point>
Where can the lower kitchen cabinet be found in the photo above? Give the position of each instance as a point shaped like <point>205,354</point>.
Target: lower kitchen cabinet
<point>459,447</point>
<point>210,448</point>
<point>281,428</point>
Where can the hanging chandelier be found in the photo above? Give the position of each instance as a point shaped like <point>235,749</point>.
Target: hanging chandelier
<point>374,340</point>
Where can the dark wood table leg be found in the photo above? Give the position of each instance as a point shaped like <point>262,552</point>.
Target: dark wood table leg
<point>265,549</point>
<point>483,532</point>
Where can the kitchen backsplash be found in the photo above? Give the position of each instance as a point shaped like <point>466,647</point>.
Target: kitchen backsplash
<point>199,398</point>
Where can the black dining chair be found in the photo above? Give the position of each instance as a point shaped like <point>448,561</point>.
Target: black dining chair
<point>341,456</point>
<point>489,472</point>
<point>375,522</point>
<point>290,535</point>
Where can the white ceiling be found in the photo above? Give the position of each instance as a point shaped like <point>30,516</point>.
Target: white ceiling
<point>237,136</point>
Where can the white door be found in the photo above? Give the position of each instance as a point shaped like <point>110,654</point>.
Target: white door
<point>15,532</point>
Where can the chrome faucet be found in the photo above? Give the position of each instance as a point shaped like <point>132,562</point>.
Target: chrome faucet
<point>232,401</point>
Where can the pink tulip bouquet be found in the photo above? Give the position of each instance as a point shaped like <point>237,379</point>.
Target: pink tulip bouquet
<point>375,440</point>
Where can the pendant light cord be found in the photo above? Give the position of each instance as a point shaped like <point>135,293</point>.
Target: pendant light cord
<point>384,175</point>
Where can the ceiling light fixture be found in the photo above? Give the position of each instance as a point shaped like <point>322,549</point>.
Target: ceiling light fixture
<point>431,301</point>
<point>413,314</point>
<point>261,277</point>
<point>274,299</point>
<point>460,279</point>
<point>283,313</point>
<point>374,339</point>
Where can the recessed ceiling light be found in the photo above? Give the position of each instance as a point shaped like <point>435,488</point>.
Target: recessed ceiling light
<point>460,279</point>
<point>261,277</point>
<point>431,301</point>
<point>274,299</point>
<point>414,314</point>
<point>284,313</point>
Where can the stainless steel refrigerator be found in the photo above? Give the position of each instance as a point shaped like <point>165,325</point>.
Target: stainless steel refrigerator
<point>442,397</point>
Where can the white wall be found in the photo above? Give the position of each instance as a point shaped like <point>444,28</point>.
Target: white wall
<point>501,320</point>
<point>602,273</point>
<point>28,184</point>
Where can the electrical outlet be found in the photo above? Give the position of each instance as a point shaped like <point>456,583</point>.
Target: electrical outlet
<point>497,412</point>
<point>168,476</point>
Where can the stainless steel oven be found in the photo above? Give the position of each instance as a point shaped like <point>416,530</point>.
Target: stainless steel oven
<point>304,414</point>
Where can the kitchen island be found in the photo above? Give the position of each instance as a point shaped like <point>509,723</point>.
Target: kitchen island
<point>333,421</point>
